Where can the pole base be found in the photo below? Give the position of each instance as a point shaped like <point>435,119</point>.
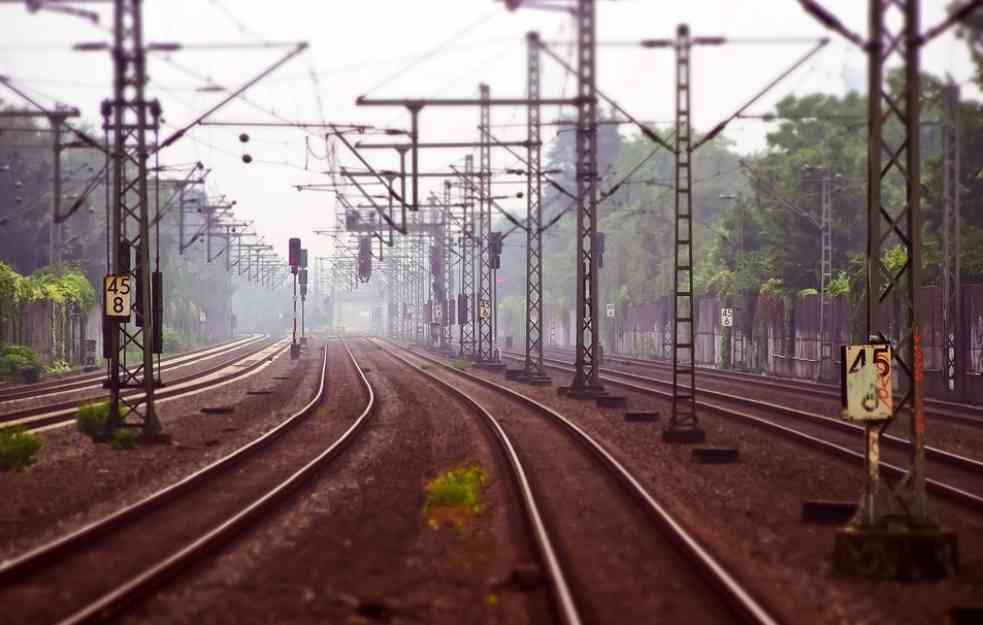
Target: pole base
<point>294,351</point>
<point>584,392</point>
<point>684,436</point>
<point>896,550</point>
<point>155,438</point>
<point>490,365</point>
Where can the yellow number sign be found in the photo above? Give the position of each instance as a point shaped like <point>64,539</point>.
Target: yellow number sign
<point>868,395</point>
<point>118,294</point>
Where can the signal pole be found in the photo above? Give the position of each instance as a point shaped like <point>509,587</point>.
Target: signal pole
<point>586,381</point>
<point>534,372</point>
<point>909,544</point>
<point>465,306</point>
<point>131,117</point>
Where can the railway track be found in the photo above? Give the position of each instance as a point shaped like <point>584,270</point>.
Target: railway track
<point>593,520</point>
<point>951,476</point>
<point>87,380</point>
<point>970,415</point>
<point>163,535</point>
<point>240,365</point>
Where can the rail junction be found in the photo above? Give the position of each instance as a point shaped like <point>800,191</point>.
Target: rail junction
<point>595,369</point>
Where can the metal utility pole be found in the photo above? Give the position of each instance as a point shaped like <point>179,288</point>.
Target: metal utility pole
<point>466,308</point>
<point>486,302</point>
<point>683,425</point>
<point>910,544</point>
<point>586,380</point>
<point>825,371</point>
<point>953,358</point>
<point>130,117</point>
<point>534,372</point>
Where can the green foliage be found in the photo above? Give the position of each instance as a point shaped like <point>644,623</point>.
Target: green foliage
<point>171,340</point>
<point>18,448</point>
<point>458,488</point>
<point>91,417</point>
<point>15,359</point>
<point>58,366</point>
<point>124,438</point>
<point>840,284</point>
<point>461,363</point>
<point>774,287</point>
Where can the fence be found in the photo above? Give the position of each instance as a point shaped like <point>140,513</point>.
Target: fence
<point>773,338</point>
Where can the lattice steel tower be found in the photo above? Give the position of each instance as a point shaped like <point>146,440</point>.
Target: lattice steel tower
<point>130,118</point>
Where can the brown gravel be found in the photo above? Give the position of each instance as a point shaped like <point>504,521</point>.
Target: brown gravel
<point>183,371</point>
<point>87,573</point>
<point>615,556</point>
<point>76,482</point>
<point>356,546</point>
<point>954,437</point>
<point>749,514</point>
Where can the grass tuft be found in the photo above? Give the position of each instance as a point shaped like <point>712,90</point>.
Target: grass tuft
<point>458,488</point>
<point>461,363</point>
<point>91,418</point>
<point>18,448</point>
<point>124,438</point>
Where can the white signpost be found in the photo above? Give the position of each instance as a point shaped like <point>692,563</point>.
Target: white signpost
<point>727,317</point>
<point>867,375</point>
<point>118,296</point>
<point>611,310</point>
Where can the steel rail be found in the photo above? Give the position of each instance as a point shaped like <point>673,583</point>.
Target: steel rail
<point>80,380</point>
<point>34,418</point>
<point>562,595</point>
<point>943,409</point>
<point>139,585</point>
<point>933,453</point>
<point>944,490</point>
<point>740,600</point>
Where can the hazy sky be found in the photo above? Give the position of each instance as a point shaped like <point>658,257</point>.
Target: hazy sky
<point>394,48</point>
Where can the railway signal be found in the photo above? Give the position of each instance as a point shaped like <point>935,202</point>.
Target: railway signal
<point>296,257</point>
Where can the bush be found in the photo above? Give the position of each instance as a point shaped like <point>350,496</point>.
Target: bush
<point>58,366</point>
<point>124,438</point>
<point>18,448</point>
<point>91,419</point>
<point>14,359</point>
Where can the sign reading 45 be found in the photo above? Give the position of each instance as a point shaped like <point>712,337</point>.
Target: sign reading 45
<point>867,384</point>
<point>118,296</point>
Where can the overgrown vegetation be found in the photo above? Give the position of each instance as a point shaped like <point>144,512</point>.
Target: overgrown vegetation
<point>18,448</point>
<point>66,289</point>
<point>453,494</point>
<point>19,361</point>
<point>124,438</point>
<point>91,419</point>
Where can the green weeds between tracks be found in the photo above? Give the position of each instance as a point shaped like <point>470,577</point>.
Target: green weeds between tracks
<point>461,363</point>
<point>18,448</point>
<point>90,419</point>
<point>124,438</point>
<point>454,495</point>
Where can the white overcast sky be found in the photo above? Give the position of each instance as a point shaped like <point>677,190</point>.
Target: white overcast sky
<point>395,48</point>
